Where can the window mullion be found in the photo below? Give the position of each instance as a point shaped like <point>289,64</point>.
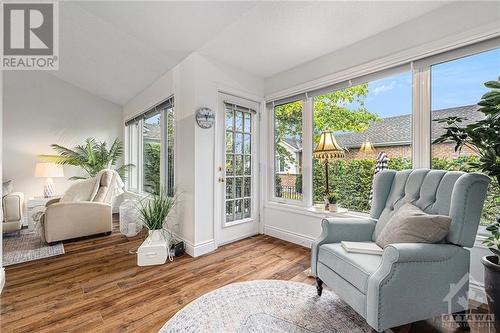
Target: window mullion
<point>307,143</point>
<point>421,114</point>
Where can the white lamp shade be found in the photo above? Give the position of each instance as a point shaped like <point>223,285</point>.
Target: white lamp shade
<point>48,170</point>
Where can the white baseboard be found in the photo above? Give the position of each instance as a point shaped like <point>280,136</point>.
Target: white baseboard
<point>200,248</point>
<point>2,278</point>
<point>477,293</point>
<point>288,236</point>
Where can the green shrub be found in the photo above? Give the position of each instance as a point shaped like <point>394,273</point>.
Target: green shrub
<point>352,180</point>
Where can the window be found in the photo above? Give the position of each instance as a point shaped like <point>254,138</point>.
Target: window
<point>151,141</point>
<point>150,148</point>
<point>367,119</point>
<point>288,151</point>
<point>456,88</point>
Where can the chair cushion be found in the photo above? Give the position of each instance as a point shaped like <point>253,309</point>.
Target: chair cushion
<point>411,225</point>
<point>355,268</point>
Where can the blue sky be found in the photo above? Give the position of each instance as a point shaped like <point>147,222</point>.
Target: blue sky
<point>454,83</point>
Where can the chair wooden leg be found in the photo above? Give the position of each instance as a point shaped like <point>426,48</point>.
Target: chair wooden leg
<point>461,319</point>
<point>319,286</point>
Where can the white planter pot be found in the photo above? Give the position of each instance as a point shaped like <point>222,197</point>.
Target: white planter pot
<point>154,250</point>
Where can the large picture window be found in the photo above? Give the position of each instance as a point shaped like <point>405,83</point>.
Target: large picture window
<point>384,119</point>
<point>456,88</point>
<point>370,121</point>
<point>150,147</point>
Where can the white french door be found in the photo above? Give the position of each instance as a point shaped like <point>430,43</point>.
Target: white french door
<point>238,176</point>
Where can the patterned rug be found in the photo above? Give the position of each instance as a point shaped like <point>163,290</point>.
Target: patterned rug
<point>27,247</point>
<point>267,306</point>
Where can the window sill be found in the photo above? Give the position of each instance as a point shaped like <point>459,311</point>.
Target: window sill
<point>310,211</point>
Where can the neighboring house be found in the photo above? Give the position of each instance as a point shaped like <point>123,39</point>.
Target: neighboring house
<point>286,169</point>
<point>152,132</point>
<point>392,135</point>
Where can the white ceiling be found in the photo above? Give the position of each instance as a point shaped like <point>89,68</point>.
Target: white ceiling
<point>116,49</point>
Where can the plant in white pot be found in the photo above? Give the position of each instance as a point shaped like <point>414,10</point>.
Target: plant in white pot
<point>332,201</point>
<point>153,212</point>
<point>483,137</point>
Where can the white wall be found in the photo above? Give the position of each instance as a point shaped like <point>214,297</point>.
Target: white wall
<point>40,109</point>
<point>195,82</point>
<point>457,21</point>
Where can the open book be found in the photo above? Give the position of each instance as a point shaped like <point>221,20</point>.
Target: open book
<point>362,247</point>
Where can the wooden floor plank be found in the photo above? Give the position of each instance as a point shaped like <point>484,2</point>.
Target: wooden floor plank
<point>96,285</point>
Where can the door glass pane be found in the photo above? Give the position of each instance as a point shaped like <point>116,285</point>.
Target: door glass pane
<point>229,188</point>
<point>248,165</point>
<point>456,88</point>
<point>238,143</point>
<point>151,136</point>
<point>229,211</point>
<point>248,123</point>
<point>247,144</point>
<point>238,168</point>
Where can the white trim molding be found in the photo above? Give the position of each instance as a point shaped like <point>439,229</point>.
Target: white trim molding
<point>2,278</point>
<point>196,250</point>
<point>289,236</point>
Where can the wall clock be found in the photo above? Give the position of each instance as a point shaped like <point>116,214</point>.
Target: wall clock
<point>205,117</point>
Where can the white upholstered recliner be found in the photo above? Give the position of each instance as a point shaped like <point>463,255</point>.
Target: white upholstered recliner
<point>12,205</point>
<point>85,209</point>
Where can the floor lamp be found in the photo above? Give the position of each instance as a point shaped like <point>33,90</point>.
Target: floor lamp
<point>326,150</point>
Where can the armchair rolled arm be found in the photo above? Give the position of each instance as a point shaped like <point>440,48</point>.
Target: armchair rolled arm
<point>52,201</point>
<point>419,272</point>
<point>13,207</point>
<point>336,229</point>
<point>420,252</point>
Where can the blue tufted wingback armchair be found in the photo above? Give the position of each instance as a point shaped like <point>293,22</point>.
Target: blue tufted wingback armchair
<point>409,281</point>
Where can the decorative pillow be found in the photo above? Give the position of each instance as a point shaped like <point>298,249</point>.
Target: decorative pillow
<point>411,225</point>
<point>7,187</point>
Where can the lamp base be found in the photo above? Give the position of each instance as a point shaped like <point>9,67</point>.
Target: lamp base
<point>49,189</point>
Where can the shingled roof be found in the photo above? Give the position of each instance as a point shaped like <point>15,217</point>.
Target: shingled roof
<point>396,131</point>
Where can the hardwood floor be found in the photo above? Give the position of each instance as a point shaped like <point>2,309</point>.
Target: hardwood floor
<point>97,286</point>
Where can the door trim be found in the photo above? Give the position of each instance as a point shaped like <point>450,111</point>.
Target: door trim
<point>238,99</point>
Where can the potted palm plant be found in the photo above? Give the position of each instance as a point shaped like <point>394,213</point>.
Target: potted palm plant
<point>483,137</point>
<point>93,156</point>
<point>153,213</point>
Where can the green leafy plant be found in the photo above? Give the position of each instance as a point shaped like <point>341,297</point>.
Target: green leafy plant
<point>493,242</point>
<point>155,208</point>
<point>483,137</point>
<point>93,156</point>
<point>332,197</point>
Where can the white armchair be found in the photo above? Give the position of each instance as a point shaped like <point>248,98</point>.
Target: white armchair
<point>13,205</point>
<point>85,209</point>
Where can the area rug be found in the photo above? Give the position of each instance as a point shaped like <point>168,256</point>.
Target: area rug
<point>27,247</point>
<point>267,306</point>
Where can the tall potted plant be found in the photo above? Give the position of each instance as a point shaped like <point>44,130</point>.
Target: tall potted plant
<point>153,212</point>
<point>483,137</point>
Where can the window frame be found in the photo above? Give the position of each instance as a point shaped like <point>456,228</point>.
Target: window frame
<point>136,141</point>
<point>421,113</point>
<point>272,193</point>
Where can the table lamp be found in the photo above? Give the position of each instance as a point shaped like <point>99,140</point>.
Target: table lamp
<point>48,171</point>
<point>326,150</point>
<point>367,147</point>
